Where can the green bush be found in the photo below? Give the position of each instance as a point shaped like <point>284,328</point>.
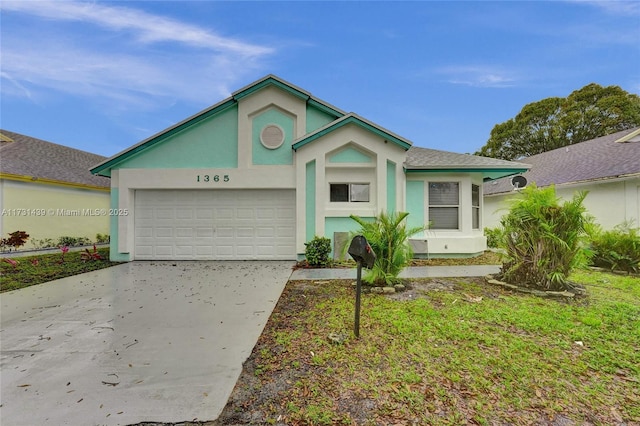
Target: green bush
<point>618,249</point>
<point>317,251</point>
<point>102,238</point>
<point>388,236</point>
<point>494,236</point>
<point>43,243</point>
<point>67,241</point>
<point>544,239</point>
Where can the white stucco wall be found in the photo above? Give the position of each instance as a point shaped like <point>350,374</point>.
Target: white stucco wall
<point>611,202</point>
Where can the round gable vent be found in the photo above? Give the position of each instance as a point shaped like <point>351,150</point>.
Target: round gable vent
<point>272,136</point>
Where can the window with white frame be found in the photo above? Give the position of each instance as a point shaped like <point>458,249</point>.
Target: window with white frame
<point>444,205</point>
<point>475,206</point>
<point>349,192</point>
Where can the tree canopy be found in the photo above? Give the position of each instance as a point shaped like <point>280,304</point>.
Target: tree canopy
<point>551,123</point>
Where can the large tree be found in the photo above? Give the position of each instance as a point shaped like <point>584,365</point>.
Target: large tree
<point>551,123</point>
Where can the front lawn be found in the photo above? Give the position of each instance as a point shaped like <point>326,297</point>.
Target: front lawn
<point>31,270</point>
<point>459,352</point>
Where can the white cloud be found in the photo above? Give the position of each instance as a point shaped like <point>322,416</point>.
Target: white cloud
<point>65,58</point>
<point>478,76</point>
<point>148,28</point>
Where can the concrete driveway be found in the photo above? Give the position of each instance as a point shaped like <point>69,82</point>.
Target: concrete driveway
<point>142,341</point>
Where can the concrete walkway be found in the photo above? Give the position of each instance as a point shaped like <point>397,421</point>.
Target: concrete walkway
<point>410,272</point>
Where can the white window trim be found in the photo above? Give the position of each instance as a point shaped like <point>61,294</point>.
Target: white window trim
<point>349,184</point>
<point>477,208</point>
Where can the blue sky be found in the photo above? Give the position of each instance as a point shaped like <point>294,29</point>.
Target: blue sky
<point>102,76</point>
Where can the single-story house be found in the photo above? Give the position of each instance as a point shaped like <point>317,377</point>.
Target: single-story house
<point>608,167</point>
<point>47,191</point>
<point>260,173</point>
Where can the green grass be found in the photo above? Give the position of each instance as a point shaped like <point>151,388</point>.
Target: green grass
<point>440,359</point>
<point>32,270</point>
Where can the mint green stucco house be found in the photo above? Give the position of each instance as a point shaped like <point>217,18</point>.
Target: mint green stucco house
<point>264,171</point>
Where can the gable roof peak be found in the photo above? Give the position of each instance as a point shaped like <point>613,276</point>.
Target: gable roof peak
<point>269,79</point>
<point>352,118</point>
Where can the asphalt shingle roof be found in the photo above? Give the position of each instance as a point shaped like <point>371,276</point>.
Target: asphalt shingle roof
<point>600,158</point>
<point>26,156</point>
<point>426,158</point>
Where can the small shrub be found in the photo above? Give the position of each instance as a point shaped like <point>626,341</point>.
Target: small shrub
<point>16,239</point>
<point>43,243</point>
<point>494,236</point>
<point>618,249</point>
<point>73,241</point>
<point>317,251</point>
<point>102,238</point>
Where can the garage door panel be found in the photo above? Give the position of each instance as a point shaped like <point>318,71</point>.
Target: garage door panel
<point>224,251</point>
<point>286,214</point>
<point>144,232</point>
<point>202,232</point>
<point>162,250</point>
<point>265,213</point>
<point>204,214</point>
<point>245,213</point>
<point>144,213</point>
<point>164,213</point>
<point>244,232</point>
<point>224,213</point>
<point>144,250</point>
<point>224,232</point>
<point>163,232</point>
<point>265,232</point>
<point>184,232</point>
<point>184,214</point>
<point>215,224</point>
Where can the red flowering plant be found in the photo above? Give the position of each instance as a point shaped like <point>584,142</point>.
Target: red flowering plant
<point>12,262</point>
<point>87,255</point>
<point>64,250</point>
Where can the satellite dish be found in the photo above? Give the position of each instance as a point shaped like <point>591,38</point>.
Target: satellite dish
<point>518,182</point>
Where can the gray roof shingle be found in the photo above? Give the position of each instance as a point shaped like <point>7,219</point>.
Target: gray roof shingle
<point>26,156</point>
<point>600,158</point>
<point>426,158</point>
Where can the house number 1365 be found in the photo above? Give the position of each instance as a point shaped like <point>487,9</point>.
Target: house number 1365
<point>210,178</point>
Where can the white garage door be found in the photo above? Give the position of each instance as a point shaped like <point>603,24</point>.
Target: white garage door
<point>215,224</point>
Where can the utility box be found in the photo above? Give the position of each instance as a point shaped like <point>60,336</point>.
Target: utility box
<point>361,251</point>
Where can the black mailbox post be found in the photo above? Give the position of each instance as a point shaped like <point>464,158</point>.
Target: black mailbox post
<point>363,254</point>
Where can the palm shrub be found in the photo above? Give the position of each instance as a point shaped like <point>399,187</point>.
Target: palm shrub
<point>617,249</point>
<point>544,239</point>
<point>388,236</point>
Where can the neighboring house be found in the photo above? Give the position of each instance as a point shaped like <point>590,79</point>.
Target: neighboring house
<point>608,167</point>
<point>47,190</point>
<point>264,171</point>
